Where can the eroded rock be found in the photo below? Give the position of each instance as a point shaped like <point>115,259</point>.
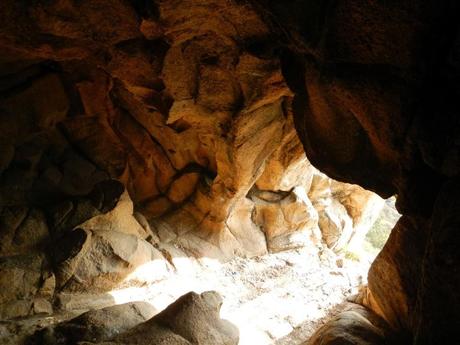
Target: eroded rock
<point>96,325</point>
<point>356,325</point>
<point>192,319</point>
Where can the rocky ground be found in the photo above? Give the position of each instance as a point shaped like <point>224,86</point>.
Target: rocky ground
<point>279,298</point>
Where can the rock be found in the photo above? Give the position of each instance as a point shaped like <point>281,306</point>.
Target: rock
<point>183,187</point>
<point>22,231</point>
<point>42,306</point>
<point>96,325</point>
<point>152,92</point>
<point>98,142</point>
<point>20,281</point>
<point>281,220</point>
<point>436,309</point>
<point>356,325</point>
<point>42,104</point>
<point>151,30</point>
<point>362,206</point>
<point>67,252</point>
<point>192,319</point>
<point>68,214</point>
<point>119,219</point>
<point>100,260</point>
<point>390,272</point>
<point>6,154</point>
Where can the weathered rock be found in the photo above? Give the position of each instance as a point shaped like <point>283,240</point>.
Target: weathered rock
<point>100,260</point>
<point>192,319</point>
<point>21,278</point>
<point>438,299</point>
<point>280,219</point>
<point>22,230</point>
<point>391,272</point>
<point>354,326</point>
<point>152,92</point>
<point>96,325</point>
<point>188,117</point>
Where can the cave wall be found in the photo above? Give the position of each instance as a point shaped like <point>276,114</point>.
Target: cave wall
<point>376,88</point>
<point>133,133</point>
<point>188,103</point>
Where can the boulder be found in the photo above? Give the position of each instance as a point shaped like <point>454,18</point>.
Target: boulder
<point>96,325</point>
<point>355,325</point>
<point>191,320</point>
<point>100,260</point>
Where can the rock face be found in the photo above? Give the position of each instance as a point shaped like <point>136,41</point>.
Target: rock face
<point>191,118</point>
<point>356,326</point>
<point>375,105</point>
<point>128,142</point>
<point>190,105</point>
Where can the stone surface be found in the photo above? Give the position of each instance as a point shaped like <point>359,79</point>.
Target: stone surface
<point>189,104</point>
<point>22,230</point>
<point>21,280</point>
<point>100,260</point>
<point>356,325</point>
<point>96,325</point>
<point>192,319</point>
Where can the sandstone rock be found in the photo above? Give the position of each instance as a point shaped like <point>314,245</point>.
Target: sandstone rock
<point>119,219</point>
<point>41,105</point>
<point>356,325</point>
<point>280,220</point>
<point>100,260</point>
<point>42,306</point>
<point>183,187</point>
<point>6,154</point>
<point>436,308</point>
<point>142,91</point>
<point>20,281</point>
<point>22,231</point>
<point>391,272</point>
<point>362,206</point>
<point>99,143</point>
<point>192,319</point>
<point>96,325</point>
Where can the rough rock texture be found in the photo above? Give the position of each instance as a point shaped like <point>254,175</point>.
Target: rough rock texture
<point>187,104</point>
<point>27,285</point>
<point>96,325</point>
<point>183,103</point>
<point>354,326</point>
<point>189,117</point>
<point>375,87</point>
<point>191,320</point>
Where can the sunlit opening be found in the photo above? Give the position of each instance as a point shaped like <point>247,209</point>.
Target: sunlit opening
<point>278,298</point>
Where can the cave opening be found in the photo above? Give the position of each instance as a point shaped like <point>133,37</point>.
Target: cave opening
<point>154,185</point>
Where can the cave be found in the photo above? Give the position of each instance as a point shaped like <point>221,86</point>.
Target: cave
<point>142,141</point>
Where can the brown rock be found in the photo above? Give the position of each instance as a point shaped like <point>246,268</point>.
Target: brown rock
<point>183,187</point>
<point>20,278</point>
<point>192,319</point>
<point>104,260</point>
<point>356,325</point>
<point>96,325</point>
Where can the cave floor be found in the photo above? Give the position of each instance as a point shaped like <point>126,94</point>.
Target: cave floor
<point>279,298</point>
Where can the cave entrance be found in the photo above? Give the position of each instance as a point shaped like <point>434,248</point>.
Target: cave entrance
<point>321,237</point>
